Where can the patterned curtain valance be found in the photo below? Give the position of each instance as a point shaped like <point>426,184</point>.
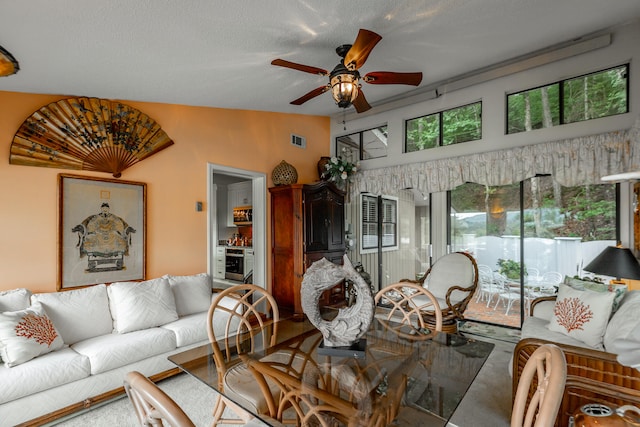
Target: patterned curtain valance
<point>571,162</point>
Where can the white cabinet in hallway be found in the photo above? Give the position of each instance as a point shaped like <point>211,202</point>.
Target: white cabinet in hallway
<point>218,271</point>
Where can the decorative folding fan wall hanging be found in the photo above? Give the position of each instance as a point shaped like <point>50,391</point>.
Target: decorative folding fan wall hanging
<point>87,134</point>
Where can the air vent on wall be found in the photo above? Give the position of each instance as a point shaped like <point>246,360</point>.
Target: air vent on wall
<point>298,141</point>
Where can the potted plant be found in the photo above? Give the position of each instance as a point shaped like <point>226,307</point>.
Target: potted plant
<point>339,170</point>
<point>510,268</point>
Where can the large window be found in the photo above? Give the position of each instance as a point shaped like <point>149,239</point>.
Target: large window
<point>447,127</point>
<point>364,145</point>
<point>379,219</point>
<point>586,97</point>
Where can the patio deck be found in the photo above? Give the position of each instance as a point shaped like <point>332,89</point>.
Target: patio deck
<point>479,311</point>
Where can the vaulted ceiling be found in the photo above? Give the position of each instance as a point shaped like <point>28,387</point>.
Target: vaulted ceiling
<point>218,53</point>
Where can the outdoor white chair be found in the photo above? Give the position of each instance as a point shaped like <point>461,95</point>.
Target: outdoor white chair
<point>486,286</point>
<point>533,274</point>
<point>550,280</point>
<point>507,295</point>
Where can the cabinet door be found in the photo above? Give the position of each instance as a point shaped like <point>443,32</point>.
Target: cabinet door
<point>324,220</point>
<point>239,194</point>
<point>219,266</point>
<point>336,295</point>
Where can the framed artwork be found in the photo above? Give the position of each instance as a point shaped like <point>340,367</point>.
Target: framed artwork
<point>102,231</point>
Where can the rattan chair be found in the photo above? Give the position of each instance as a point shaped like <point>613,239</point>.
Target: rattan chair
<point>153,406</point>
<point>542,384</point>
<point>251,324</point>
<point>402,306</point>
<point>312,400</point>
<point>452,280</point>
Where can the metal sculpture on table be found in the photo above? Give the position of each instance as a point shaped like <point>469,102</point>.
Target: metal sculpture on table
<point>351,323</point>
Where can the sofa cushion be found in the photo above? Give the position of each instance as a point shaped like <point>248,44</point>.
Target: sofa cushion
<point>192,293</point>
<point>624,321</point>
<point>582,315</point>
<point>78,314</point>
<point>112,351</point>
<point>581,285</point>
<point>15,299</point>
<point>534,327</point>
<point>141,305</point>
<point>189,329</point>
<point>42,373</point>
<point>25,334</point>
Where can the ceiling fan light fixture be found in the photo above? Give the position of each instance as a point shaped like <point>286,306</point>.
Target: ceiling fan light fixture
<point>8,64</point>
<point>344,88</point>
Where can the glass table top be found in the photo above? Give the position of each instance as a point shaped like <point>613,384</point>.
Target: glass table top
<point>420,381</point>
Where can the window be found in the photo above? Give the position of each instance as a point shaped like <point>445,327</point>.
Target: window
<point>447,127</point>
<point>364,145</point>
<point>601,94</point>
<point>379,213</point>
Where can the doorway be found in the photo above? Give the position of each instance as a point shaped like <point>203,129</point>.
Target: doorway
<point>218,178</point>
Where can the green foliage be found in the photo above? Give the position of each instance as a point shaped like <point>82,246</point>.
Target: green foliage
<point>510,269</point>
<point>532,101</point>
<point>587,97</point>
<point>590,213</point>
<point>596,95</point>
<point>458,125</point>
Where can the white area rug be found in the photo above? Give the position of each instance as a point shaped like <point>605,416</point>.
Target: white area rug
<point>487,404</point>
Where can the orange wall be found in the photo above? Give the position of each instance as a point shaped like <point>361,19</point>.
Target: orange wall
<point>176,178</point>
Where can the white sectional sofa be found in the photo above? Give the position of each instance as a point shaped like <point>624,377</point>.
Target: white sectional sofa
<point>64,351</point>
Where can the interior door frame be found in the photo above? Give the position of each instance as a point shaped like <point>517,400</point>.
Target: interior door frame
<point>259,232</point>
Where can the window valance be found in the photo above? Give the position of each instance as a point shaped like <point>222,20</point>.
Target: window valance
<point>571,162</point>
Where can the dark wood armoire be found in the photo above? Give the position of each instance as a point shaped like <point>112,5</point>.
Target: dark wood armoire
<point>307,224</point>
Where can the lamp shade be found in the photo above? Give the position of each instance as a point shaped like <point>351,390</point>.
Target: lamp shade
<point>615,261</point>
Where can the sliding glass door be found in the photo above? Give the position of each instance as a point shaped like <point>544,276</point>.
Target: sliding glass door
<point>485,222</point>
<point>526,238</point>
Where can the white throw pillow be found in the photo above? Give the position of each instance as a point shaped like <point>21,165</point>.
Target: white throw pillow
<point>192,293</point>
<point>141,305</point>
<point>582,315</point>
<point>624,322</point>
<point>78,314</point>
<point>25,334</point>
<point>15,299</point>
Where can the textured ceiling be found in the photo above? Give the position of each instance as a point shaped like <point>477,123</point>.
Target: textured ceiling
<point>218,53</point>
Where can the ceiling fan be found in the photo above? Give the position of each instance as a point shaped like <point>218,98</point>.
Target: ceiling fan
<point>344,79</point>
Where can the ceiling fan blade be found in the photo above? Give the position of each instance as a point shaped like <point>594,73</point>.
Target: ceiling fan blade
<point>362,47</point>
<point>360,103</point>
<point>299,67</point>
<point>389,78</point>
<point>316,92</point>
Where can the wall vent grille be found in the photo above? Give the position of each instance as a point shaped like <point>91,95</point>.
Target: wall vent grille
<point>298,141</point>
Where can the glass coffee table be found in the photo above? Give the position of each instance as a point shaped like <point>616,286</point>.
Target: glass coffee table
<point>421,382</point>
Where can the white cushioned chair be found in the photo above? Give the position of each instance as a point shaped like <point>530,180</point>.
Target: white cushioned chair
<point>452,280</point>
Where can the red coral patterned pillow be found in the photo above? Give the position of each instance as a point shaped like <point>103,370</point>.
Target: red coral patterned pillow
<point>582,315</point>
<point>26,334</point>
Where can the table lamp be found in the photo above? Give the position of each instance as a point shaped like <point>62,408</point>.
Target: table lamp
<point>615,261</point>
